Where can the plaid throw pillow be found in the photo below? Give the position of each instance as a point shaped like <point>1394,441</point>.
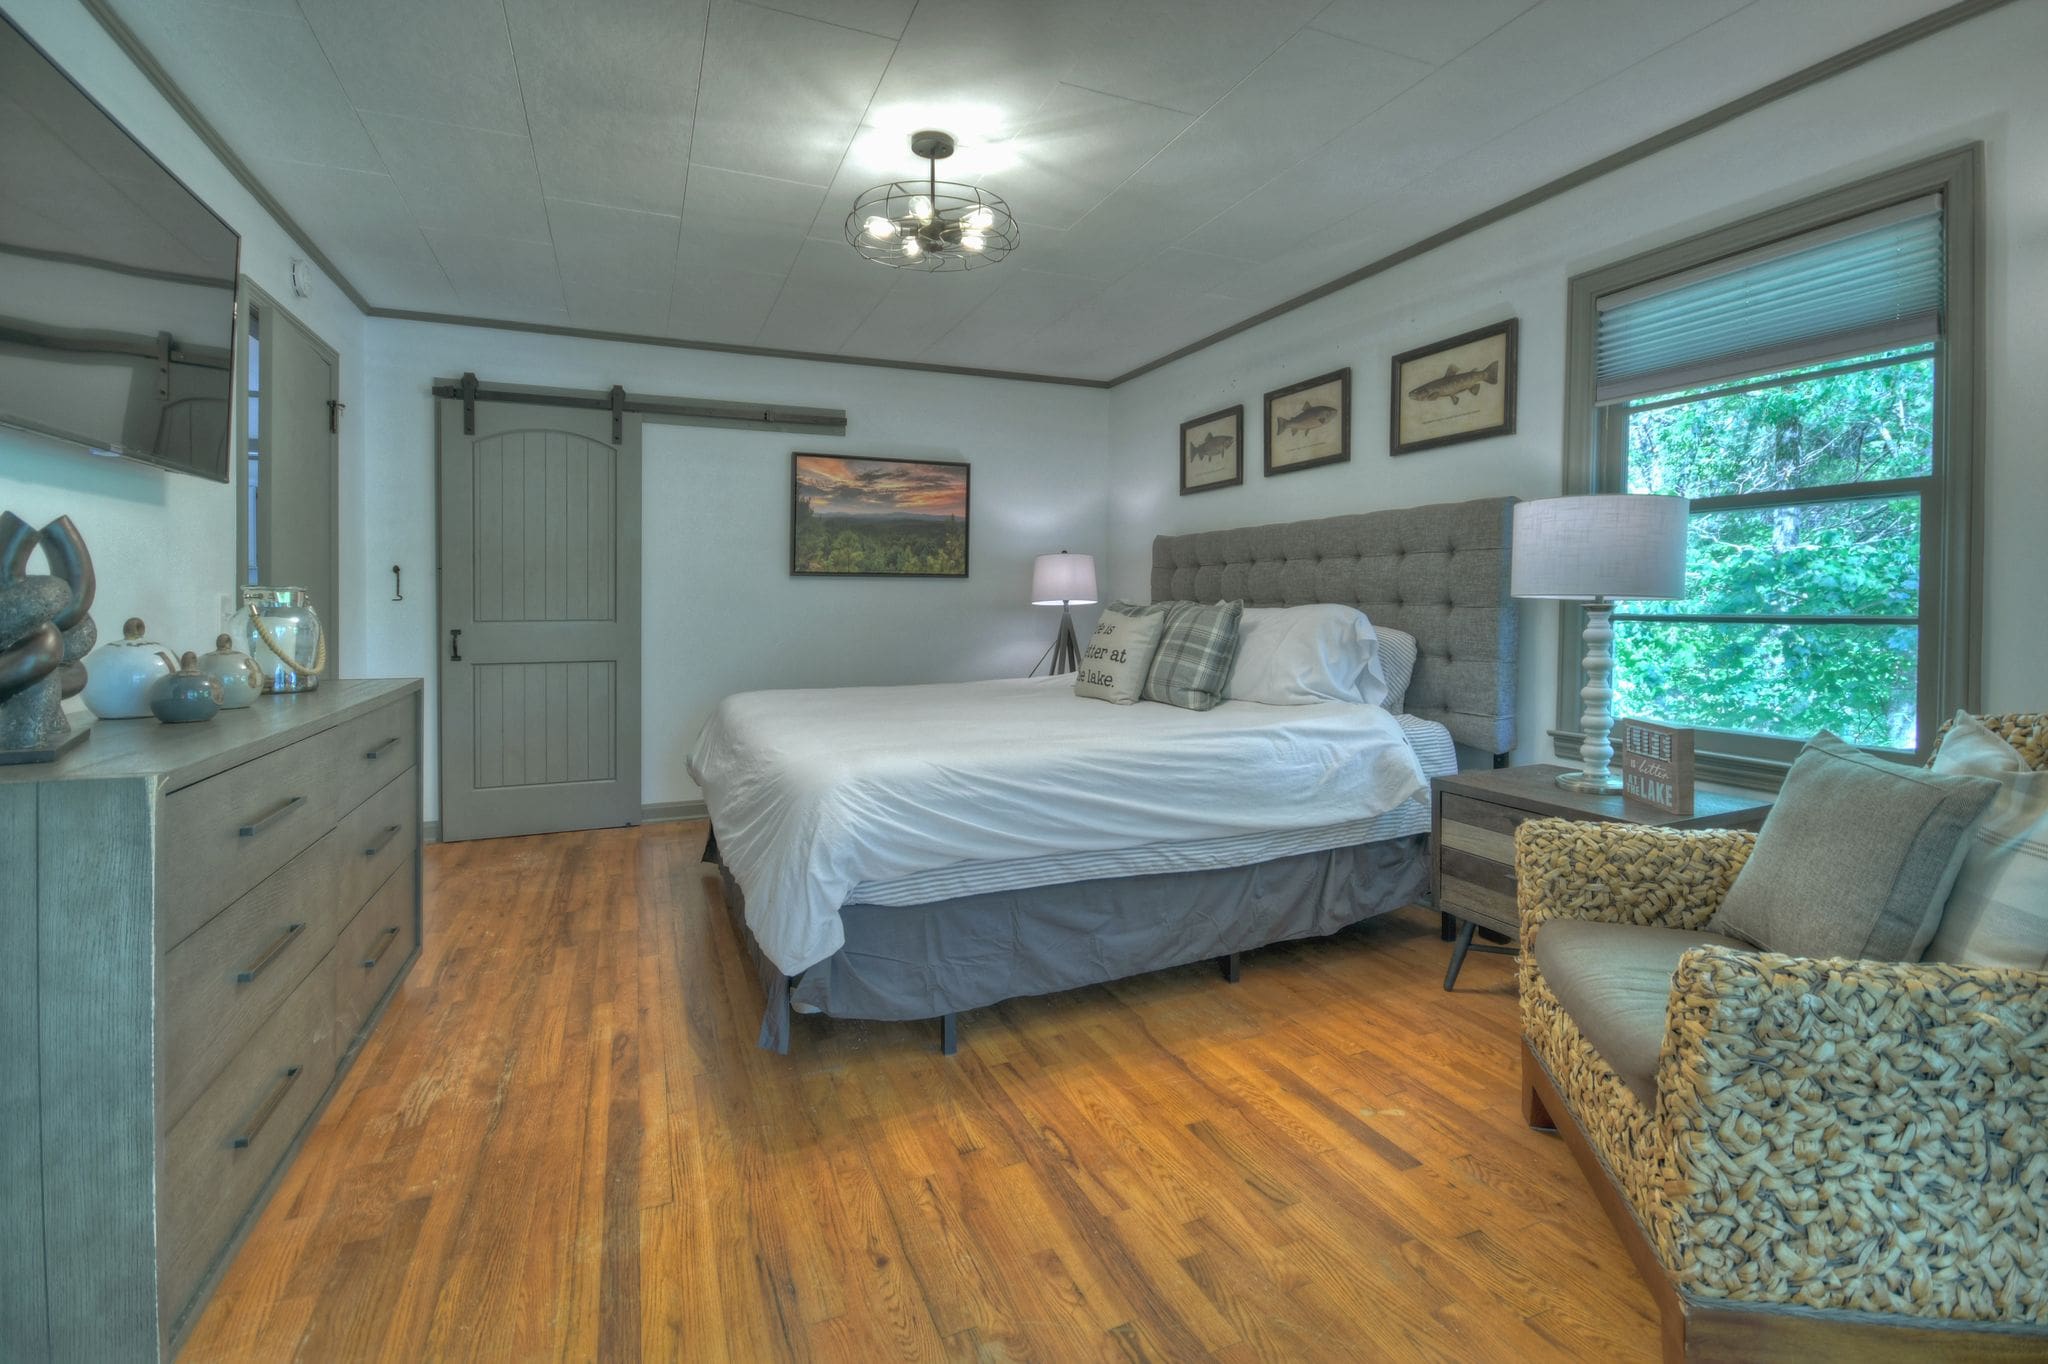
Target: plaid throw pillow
<point>1196,653</point>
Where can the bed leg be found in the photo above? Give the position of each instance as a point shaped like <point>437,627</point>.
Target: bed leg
<point>710,845</point>
<point>949,1035</point>
<point>1229,967</point>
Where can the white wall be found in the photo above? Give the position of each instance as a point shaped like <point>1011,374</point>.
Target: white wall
<point>1979,81</point>
<point>721,611</point>
<point>164,544</point>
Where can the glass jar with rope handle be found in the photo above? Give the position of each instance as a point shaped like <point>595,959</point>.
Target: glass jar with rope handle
<point>282,632</point>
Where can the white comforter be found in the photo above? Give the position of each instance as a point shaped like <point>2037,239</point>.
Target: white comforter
<point>815,792</point>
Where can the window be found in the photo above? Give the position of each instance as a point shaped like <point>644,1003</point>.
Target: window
<point>1807,379</point>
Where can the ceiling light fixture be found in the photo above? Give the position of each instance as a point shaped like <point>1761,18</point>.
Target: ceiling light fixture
<point>934,225</point>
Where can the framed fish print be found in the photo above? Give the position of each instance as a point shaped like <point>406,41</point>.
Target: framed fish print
<point>1212,451</point>
<point>1309,423</point>
<point>1460,389</point>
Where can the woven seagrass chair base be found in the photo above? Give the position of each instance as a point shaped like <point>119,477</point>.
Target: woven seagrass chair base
<point>1709,1330</point>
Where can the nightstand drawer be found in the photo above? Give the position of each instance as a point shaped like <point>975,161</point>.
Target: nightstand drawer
<point>1478,889</point>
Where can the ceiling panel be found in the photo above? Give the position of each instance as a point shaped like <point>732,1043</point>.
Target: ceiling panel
<point>617,248</point>
<point>782,95</point>
<point>462,179</point>
<point>1427,30</point>
<point>1027,302</point>
<point>610,91</point>
<point>409,279</point>
<point>981,68</point>
<point>727,306</point>
<point>1302,96</point>
<point>639,310</point>
<point>1076,150</point>
<point>499,276</point>
<point>446,60</point>
<point>686,166</point>
<point>828,293</point>
<point>919,306</point>
<point>1186,56</point>
<point>884,18</point>
<point>257,70</point>
<point>363,209</point>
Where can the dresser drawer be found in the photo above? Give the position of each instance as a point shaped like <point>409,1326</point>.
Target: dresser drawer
<point>370,749</point>
<point>221,836</point>
<point>224,980</point>
<point>218,1155</point>
<point>376,837</point>
<point>372,948</point>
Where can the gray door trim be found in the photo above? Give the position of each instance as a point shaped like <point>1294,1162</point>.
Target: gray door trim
<point>248,293</point>
<point>546,806</point>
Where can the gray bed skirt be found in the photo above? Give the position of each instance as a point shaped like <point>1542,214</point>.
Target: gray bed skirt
<point>927,961</point>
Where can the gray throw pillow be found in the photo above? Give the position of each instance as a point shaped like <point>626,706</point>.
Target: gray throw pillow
<point>1856,858</point>
<point>1196,653</point>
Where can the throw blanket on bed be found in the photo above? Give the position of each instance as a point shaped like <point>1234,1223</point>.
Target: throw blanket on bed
<point>814,792</point>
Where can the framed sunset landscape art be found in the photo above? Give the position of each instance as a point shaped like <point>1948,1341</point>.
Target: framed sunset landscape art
<point>867,518</point>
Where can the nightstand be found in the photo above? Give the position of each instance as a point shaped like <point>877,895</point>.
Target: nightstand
<point>1472,837</point>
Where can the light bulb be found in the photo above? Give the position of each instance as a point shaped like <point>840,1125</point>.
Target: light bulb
<point>911,248</point>
<point>973,241</point>
<point>880,228</point>
<point>980,220</point>
<point>921,209</point>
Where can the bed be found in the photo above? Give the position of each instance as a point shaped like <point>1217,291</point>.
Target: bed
<point>912,863</point>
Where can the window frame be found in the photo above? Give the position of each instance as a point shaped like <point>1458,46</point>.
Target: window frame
<point>1595,443</point>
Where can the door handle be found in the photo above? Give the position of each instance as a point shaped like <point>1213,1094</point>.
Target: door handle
<point>455,646</point>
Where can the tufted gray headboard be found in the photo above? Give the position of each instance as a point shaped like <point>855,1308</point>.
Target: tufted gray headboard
<point>1439,572</point>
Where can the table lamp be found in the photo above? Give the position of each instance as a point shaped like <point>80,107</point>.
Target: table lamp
<point>1594,549</point>
<point>1063,580</point>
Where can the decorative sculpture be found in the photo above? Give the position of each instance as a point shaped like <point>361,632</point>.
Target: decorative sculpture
<point>45,634</point>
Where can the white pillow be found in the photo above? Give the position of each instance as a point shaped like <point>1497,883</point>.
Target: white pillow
<point>1397,665</point>
<point>1997,914</point>
<point>1300,655</point>
<point>1118,655</point>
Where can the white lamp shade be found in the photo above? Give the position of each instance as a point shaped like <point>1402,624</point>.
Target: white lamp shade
<point>1063,579</point>
<point>1610,545</point>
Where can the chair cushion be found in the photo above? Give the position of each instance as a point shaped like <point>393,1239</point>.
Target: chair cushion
<point>1615,981</point>
<point>1856,858</point>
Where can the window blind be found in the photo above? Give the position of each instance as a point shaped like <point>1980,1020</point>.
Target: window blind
<point>1871,283</point>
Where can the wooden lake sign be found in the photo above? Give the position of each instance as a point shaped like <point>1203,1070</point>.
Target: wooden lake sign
<point>1656,765</point>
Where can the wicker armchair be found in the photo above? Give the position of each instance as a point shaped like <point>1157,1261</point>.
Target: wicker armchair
<point>1835,1157</point>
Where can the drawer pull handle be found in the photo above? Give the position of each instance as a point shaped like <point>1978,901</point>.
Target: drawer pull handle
<point>245,1138</point>
<point>384,941</point>
<point>390,832</point>
<point>257,826</point>
<point>381,749</point>
<point>270,953</point>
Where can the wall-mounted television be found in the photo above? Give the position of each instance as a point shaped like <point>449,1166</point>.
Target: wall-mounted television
<point>117,284</point>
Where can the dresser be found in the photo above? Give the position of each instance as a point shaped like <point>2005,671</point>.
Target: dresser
<point>198,925</point>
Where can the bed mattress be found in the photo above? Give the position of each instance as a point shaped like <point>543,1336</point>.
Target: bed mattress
<point>819,795</point>
<point>1433,750</point>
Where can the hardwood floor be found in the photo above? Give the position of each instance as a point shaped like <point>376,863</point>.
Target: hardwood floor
<point>563,1143</point>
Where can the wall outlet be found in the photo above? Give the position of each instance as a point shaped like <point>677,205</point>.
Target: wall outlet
<point>225,603</point>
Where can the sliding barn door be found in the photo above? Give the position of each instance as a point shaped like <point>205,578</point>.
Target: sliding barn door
<point>540,620</point>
